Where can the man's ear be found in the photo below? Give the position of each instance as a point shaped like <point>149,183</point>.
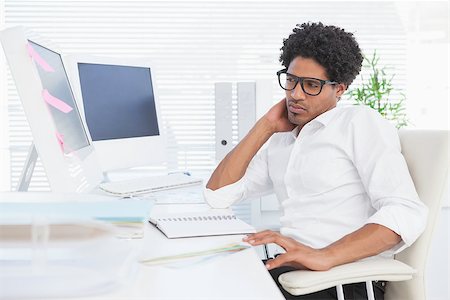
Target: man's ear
<point>340,89</point>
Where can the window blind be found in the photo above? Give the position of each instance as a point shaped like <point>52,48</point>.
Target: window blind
<point>194,44</point>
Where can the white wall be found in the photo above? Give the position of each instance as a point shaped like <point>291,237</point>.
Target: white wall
<point>427,29</point>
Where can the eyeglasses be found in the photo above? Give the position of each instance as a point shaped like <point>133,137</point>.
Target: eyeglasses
<point>310,86</point>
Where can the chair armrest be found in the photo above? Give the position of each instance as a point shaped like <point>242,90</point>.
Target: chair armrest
<point>305,281</point>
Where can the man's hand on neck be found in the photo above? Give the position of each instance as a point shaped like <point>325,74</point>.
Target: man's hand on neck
<point>278,119</point>
<point>234,165</point>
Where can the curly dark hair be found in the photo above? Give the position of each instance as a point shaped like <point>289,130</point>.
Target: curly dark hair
<point>333,48</point>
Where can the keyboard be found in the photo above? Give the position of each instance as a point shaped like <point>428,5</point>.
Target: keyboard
<point>188,195</point>
<point>150,184</point>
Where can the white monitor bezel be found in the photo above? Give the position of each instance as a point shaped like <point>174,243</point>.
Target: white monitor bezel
<point>130,152</point>
<point>78,171</point>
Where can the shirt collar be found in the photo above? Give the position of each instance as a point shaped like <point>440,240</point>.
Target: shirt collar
<point>295,132</point>
<point>324,119</point>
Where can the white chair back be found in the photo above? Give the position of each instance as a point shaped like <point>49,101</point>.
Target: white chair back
<point>427,155</point>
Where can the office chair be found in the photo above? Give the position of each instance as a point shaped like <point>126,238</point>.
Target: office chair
<point>427,157</point>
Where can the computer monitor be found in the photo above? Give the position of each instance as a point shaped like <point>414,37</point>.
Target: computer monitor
<point>120,108</point>
<point>58,132</point>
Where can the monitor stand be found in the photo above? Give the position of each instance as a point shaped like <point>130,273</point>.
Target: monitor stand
<point>30,164</point>
<point>27,170</point>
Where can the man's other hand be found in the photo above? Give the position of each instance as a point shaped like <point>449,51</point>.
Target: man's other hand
<point>297,255</point>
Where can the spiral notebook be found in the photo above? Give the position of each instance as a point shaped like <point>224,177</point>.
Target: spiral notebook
<point>200,224</point>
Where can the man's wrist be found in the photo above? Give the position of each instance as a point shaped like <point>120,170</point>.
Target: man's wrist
<point>329,258</point>
<point>266,126</point>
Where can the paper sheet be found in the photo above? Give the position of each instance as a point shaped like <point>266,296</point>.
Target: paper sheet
<point>231,248</point>
<point>60,138</point>
<point>38,59</point>
<point>56,102</point>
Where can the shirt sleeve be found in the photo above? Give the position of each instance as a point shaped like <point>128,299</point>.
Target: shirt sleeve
<point>255,182</point>
<point>385,176</point>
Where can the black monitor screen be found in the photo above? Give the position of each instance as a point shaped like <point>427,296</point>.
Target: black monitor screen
<point>57,93</point>
<point>118,101</point>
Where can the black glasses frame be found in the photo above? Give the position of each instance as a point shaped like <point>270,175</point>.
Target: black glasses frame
<point>301,79</point>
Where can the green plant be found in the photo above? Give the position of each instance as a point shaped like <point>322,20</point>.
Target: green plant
<point>376,93</point>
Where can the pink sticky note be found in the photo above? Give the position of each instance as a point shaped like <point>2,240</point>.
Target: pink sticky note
<point>60,138</point>
<point>55,102</point>
<point>38,59</point>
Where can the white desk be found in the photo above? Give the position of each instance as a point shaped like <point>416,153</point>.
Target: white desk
<point>240,275</point>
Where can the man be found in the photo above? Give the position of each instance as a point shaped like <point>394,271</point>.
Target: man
<point>343,185</point>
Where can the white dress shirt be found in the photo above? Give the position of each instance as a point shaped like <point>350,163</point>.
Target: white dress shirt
<point>343,170</point>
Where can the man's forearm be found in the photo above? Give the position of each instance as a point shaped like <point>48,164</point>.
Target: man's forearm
<point>369,240</point>
<point>233,166</point>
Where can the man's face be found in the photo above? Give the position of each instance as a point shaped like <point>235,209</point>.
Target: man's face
<point>303,108</point>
